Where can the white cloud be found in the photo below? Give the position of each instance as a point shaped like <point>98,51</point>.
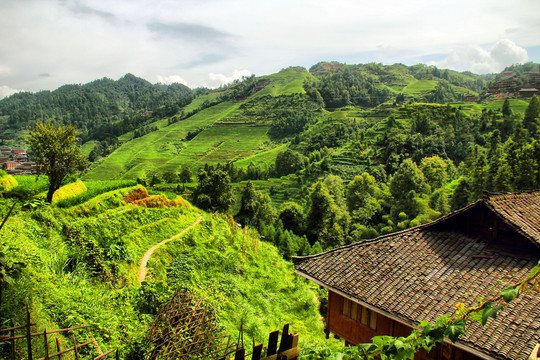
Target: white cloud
<point>476,59</point>
<point>6,91</point>
<point>171,79</point>
<point>220,79</point>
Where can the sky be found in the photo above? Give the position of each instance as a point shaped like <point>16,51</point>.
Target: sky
<point>45,44</point>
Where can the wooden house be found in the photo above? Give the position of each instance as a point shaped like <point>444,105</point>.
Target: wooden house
<point>528,93</point>
<point>18,151</point>
<point>385,286</point>
<point>10,165</point>
<point>469,98</point>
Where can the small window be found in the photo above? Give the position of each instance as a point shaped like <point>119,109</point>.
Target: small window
<point>365,316</point>
<point>368,318</point>
<point>350,309</point>
<point>373,320</point>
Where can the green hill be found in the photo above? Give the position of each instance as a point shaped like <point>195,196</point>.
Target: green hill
<point>79,264</point>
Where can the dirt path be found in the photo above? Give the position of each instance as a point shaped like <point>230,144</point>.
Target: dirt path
<point>149,252</point>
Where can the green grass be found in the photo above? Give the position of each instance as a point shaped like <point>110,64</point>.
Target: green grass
<point>263,158</point>
<point>61,248</point>
<point>287,81</point>
<point>88,146</point>
<point>518,106</point>
<point>420,86</point>
<point>152,151</point>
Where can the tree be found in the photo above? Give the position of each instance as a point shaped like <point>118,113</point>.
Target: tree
<point>365,198</point>
<point>56,153</point>
<point>292,217</point>
<point>435,171</point>
<point>327,222</point>
<point>288,162</point>
<point>185,175</point>
<point>506,111</point>
<point>214,190</point>
<point>408,177</point>
<point>255,207</point>
<point>532,112</point>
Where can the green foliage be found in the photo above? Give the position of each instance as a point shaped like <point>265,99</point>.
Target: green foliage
<point>255,208</point>
<point>288,162</point>
<point>7,182</point>
<point>213,191</point>
<point>327,222</point>
<point>530,120</point>
<point>57,155</point>
<point>291,216</point>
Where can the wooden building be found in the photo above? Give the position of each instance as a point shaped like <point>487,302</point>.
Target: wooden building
<point>469,98</point>
<point>528,93</point>
<point>385,286</point>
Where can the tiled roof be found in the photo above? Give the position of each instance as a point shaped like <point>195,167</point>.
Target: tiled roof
<point>520,210</point>
<point>421,274</point>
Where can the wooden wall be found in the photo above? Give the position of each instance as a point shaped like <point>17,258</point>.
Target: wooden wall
<point>341,321</point>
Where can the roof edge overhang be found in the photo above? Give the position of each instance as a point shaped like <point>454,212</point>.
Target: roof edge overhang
<point>394,317</point>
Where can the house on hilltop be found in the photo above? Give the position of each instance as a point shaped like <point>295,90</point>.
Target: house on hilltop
<point>385,286</point>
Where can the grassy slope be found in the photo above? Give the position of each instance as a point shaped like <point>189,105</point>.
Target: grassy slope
<point>228,136</point>
<point>237,274</point>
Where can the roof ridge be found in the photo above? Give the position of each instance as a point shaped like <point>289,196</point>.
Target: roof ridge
<point>296,259</point>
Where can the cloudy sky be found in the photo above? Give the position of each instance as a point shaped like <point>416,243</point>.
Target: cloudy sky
<point>48,43</point>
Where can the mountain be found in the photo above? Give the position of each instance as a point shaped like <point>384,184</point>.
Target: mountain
<point>98,109</point>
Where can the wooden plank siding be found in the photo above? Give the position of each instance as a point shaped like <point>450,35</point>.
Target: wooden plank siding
<point>360,329</point>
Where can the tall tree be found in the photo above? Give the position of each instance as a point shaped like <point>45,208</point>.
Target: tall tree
<point>292,216</point>
<point>214,190</point>
<point>435,171</point>
<point>506,111</point>
<point>288,162</point>
<point>365,198</point>
<point>256,207</point>
<point>56,153</point>
<point>531,114</point>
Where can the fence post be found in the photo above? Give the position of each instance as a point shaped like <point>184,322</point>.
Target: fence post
<point>12,333</point>
<point>272,343</point>
<point>58,349</point>
<point>28,334</point>
<point>284,344</point>
<point>46,344</point>
<point>75,348</point>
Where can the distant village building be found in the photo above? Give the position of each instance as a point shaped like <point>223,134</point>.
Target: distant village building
<point>385,286</point>
<point>18,151</point>
<point>10,165</point>
<point>528,93</point>
<point>469,98</point>
<point>533,79</point>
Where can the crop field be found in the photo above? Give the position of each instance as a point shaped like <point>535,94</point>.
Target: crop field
<point>287,81</point>
<point>420,86</point>
<point>166,149</point>
<point>219,144</point>
<point>518,106</point>
<point>156,148</point>
<point>263,159</point>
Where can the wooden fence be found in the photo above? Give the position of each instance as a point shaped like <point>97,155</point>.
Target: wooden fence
<point>9,336</point>
<point>288,347</point>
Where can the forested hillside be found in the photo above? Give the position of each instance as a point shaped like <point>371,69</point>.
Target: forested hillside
<point>286,164</point>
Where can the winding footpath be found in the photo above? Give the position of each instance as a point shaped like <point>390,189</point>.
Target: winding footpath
<point>144,270</point>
